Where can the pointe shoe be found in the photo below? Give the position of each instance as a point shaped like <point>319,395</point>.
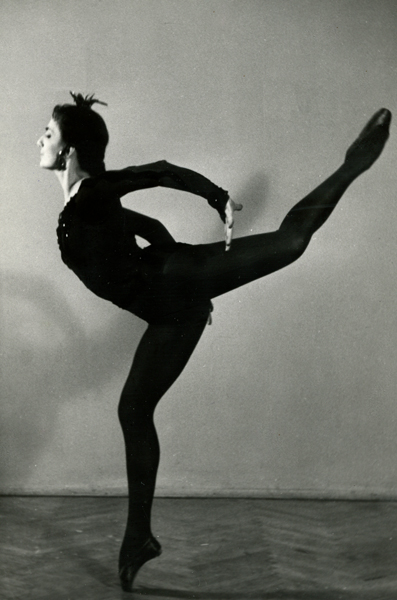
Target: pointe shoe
<point>150,549</point>
<point>369,145</point>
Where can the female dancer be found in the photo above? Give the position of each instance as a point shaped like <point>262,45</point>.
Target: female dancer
<point>168,284</point>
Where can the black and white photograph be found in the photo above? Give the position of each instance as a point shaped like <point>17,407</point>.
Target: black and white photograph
<point>198,207</point>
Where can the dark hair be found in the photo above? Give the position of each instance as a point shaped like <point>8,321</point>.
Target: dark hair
<point>85,130</point>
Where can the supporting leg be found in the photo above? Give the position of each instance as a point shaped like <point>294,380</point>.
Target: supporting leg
<point>159,360</point>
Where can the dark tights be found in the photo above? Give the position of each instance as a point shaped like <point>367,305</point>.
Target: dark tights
<point>165,349</point>
<point>159,360</point>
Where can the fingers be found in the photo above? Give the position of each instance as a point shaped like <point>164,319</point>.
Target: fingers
<point>229,222</point>
<point>231,206</point>
<point>228,237</point>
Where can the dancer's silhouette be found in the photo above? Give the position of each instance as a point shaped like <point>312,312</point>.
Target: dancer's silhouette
<point>168,284</point>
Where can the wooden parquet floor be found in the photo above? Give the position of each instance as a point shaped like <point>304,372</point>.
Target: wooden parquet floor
<point>65,548</point>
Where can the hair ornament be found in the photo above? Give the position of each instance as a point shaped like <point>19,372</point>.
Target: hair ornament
<point>85,101</point>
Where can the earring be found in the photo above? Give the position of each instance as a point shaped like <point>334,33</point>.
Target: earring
<point>61,162</point>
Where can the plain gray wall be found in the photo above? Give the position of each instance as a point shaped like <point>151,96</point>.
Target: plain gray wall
<point>292,390</point>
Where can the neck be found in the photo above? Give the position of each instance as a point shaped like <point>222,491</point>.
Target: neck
<point>71,175</point>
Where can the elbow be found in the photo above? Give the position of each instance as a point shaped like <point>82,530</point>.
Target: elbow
<point>161,164</point>
<point>160,233</point>
<point>155,225</point>
<point>154,229</point>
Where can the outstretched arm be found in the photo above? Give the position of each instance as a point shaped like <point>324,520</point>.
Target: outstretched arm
<point>164,174</point>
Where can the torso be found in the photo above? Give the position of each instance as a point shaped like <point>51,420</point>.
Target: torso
<point>96,245</point>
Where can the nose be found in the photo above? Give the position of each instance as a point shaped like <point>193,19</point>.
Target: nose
<point>40,142</point>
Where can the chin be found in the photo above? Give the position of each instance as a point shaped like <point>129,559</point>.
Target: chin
<point>44,165</point>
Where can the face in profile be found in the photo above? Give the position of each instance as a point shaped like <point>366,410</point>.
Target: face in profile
<point>50,145</point>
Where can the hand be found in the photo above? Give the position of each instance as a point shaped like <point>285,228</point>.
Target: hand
<point>231,206</point>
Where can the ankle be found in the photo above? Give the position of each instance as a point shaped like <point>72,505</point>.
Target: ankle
<point>350,170</point>
<point>344,175</point>
<point>132,543</point>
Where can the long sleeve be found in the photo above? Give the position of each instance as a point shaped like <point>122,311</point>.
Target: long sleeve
<point>151,230</point>
<point>164,174</point>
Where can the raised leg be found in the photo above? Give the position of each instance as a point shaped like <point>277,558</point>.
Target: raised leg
<point>159,360</point>
<point>208,270</point>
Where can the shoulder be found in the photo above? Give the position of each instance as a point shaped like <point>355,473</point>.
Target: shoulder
<point>96,189</point>
<point>96,196</point>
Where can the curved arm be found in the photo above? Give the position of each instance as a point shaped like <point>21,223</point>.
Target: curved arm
<point>165,174</point>
<point>151,230</point>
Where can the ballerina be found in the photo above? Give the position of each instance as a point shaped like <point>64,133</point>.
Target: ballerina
<point>168,284</point>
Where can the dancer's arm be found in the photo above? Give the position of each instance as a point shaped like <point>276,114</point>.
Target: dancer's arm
<point>164,174</point>
<point>151,230</point>
<point>161,173</point>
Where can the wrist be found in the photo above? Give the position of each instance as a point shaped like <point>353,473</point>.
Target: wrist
<point>219,199</point>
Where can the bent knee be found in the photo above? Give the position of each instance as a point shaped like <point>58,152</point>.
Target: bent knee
<point>297,244</point>
<point>130,409</point>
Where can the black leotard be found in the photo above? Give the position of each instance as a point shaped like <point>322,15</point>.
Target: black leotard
<point>98,245</point>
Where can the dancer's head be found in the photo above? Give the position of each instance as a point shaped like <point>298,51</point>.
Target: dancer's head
<point>75,127</point>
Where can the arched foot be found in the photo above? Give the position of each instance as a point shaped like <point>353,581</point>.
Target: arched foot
<point>127,573</point>
<point>367,148</point>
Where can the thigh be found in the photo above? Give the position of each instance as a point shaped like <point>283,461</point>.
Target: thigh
<point>208,271</point>
<point>163,298</point>
<point>160,358</point>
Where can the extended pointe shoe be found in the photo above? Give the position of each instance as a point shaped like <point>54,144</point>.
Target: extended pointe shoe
<point>127,573</point>
<point>369,145</point>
